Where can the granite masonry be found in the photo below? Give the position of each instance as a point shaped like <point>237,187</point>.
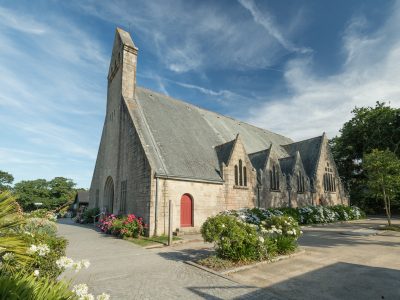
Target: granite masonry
<point>155,148</point>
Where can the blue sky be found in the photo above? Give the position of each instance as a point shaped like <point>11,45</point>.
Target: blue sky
<point>294,67</point>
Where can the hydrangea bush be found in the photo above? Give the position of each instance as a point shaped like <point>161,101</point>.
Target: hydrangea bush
<point>258,233</point>
<point>245,236</point>
<point>303,215</point>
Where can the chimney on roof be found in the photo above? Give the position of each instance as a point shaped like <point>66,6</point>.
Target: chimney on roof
<point>122,71</point>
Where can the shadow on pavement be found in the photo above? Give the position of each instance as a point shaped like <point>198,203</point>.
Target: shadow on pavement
<point>186,254</point>
<point>337,281</point>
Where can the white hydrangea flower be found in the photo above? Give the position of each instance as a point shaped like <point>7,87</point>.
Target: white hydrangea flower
<point>87,297</point>
<point>80,290</point>
<point>8,256</point>
<point>64,262</point>
<point>43,249</point>
<point>85,263</point>
<point>77,266</point>
<point>261,239</point>
<point>36,273</point>
<point>223,225</point>
<point>103,296</point>
<point>32,249</point>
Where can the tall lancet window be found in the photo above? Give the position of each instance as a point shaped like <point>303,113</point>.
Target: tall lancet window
<point>240,174</point>
<point>329,179</point>
<point>236,175</point>
<point>300,183</point>
<point>274,178</point>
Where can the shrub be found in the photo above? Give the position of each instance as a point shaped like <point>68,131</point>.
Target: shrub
<point>237,239</point>
<point>284,231</point>
<point>46,264</point>
<point>29,287</point>
<point>40,226</point>
<point>89,214</point>
<point>42,214</point>
<point>126,226</point>
<point>234,239</point>
<point>286,244</point>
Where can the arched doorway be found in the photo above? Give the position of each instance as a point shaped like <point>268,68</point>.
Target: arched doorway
<point>186,211</point>
<point>109,195</point>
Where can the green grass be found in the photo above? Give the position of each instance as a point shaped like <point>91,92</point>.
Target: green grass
<point>149,241</point>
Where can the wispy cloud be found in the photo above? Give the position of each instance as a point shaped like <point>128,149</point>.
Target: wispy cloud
<point>210,36</point>
<point>266,20</point>
<point>21,22</point>
<point>50,93</point>
<point>370,73</point>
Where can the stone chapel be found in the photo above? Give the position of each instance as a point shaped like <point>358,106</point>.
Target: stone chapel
<point>155,148</point>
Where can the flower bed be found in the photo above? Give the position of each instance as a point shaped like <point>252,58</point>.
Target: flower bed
<point>255,234</point>
<point>32,256</point>
<point>128,226</point>
<point>303,215</point>
<point>247,237</point>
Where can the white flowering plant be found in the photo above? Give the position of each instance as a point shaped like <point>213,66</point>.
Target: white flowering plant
<point>234,239</point>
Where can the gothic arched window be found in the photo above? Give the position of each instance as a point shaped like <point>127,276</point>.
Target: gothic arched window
<point>300,183</point>
<point>236,175</point>
<point>240,174</point>
<point>274,178</point>
<point>329,179</point>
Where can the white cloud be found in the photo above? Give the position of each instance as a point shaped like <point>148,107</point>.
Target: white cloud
<point>266,20</point>
<point>52,100</point>
<point>370,73</point>
<point>21,22</point>
<point>196,39</point>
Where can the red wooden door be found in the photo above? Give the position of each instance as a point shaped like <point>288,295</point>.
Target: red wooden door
<point>186,211</point>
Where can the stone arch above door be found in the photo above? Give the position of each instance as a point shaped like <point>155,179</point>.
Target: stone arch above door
<point>109,195</point>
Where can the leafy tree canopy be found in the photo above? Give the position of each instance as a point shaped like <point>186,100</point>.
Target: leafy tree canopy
<point>51,194</point>
<point>383,176</point>
<point>6,179</point>
<point>370,128</point>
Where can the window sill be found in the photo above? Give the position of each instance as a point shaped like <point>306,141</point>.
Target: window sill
<point>240,187</point>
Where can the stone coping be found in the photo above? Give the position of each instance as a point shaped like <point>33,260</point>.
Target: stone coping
<point>223,273</point>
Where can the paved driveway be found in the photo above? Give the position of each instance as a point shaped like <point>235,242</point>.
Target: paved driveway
<point>127,271</point>
<point>340,262</point>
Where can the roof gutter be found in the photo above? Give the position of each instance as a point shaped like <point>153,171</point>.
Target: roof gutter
<point>187,179</point>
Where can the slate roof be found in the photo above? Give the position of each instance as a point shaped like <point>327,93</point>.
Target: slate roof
<point>287,164</point>
<point>309,152</point>
<point>224,151</point>
<point>82,196</point>
<point>258,159</point>
<point>181,139</point>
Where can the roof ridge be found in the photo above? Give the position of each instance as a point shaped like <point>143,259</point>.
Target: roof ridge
<point>213,112</point>
<point>315,137</point>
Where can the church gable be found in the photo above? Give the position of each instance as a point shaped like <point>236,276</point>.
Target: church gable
<point>309,151</point>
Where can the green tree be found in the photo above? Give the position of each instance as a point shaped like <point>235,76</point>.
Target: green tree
<point>383,176</point>
<point>6,179</point>
<point>370,128</point>
<point>51,194</point>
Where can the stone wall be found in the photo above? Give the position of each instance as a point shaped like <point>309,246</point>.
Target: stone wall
<point>322,197</point>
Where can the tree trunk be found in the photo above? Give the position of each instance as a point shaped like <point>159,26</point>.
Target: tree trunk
<point>387,208</point>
